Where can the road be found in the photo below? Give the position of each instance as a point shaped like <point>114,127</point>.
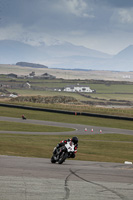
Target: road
<point>38,179</point>
<point>79,129</point>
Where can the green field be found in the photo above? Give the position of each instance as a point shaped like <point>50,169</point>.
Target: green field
<point>104,89</point>
<point>111,97</point>
<point>113,88</point>
<point>101,89</point>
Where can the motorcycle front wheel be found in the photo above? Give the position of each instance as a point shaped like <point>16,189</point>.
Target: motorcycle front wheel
<point>63,157</point>
<point>53,160</point>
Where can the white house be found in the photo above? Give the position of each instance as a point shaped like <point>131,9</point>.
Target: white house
<point>78,88</point>
<point>13,95</point>
<point>27,85</point>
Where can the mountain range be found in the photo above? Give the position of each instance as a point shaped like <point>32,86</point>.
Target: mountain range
<point>65,55</point>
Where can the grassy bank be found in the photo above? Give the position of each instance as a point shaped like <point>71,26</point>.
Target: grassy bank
<point>48,116</point>
<point>104,148</point>
<point>118,111</point>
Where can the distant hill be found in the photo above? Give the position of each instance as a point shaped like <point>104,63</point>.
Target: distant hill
<point>125,54</point>
<point>26,64</point>
<point>13,51</point>
<point>65,55</point>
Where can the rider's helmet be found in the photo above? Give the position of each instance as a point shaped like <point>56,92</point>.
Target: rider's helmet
<point>75,140</point>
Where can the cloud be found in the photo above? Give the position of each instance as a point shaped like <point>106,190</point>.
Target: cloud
<point>116,3</point>
<point>76,7</point>
<point>10,33</point>
<point>126,16</point>
<point>92,23</point>
<point>122,21</point>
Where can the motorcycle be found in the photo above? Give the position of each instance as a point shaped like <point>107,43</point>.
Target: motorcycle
<point>23,117</point>
<point>62,153</point>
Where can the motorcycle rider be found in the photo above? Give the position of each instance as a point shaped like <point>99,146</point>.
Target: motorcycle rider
<point>23,117</point>
<point>74,140</point>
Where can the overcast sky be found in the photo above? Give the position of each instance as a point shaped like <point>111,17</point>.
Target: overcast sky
<point>105,25</point>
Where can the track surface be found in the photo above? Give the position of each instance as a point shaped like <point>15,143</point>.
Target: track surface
<point>79,129</point>
<point>39,179</point>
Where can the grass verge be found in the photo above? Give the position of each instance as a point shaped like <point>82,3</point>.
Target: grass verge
<point>14,126</point>
<point>104,148</point>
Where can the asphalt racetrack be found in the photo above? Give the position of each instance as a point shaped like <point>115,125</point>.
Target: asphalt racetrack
<point>38,179</point>
<point>79,129</point>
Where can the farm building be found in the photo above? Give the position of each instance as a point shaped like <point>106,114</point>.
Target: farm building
<point>47,76</point>
<point>11,75</point>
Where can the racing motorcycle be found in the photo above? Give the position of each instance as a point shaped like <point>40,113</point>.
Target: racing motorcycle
<point>63,153</point>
